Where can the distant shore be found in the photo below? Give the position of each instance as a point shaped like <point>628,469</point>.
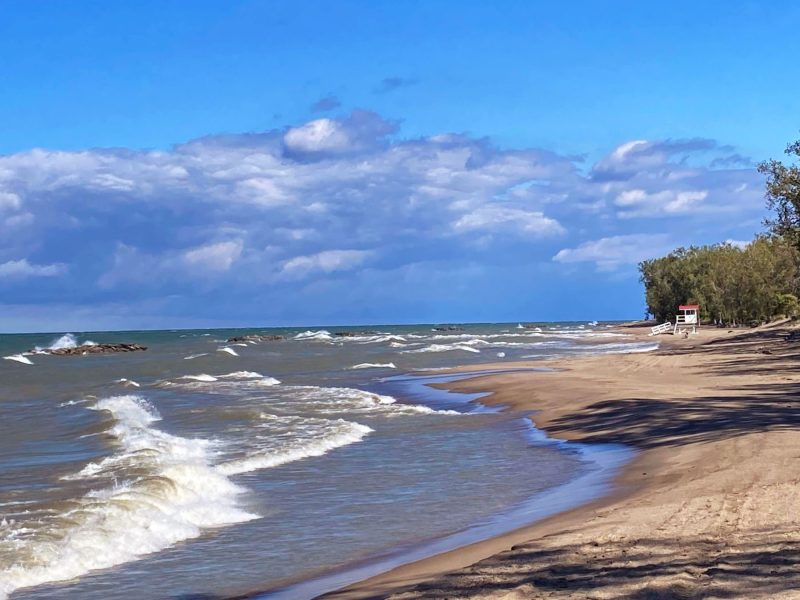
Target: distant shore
<point>708,508</point>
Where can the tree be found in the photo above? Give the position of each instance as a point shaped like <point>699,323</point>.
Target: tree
<point>783,195</point>
<point>733,285</point>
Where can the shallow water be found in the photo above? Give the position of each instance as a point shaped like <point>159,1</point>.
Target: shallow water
<point>207,467</point>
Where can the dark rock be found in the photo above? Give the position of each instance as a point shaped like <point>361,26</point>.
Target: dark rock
<point>96,349</point>
<point>256,338</point>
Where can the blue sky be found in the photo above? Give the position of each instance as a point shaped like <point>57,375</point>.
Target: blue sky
<point>175,164</point>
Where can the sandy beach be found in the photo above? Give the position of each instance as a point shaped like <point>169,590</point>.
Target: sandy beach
<point>707,509</point>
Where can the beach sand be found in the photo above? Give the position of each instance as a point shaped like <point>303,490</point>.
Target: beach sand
<point>709,508</point>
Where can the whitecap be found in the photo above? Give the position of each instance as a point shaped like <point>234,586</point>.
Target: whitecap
<point>251,378</point>
<point>229,350</point>
<point>241,375</point>
<point>191,356</point>
<point>442,348</point>
<point>128,382</point>
<point>177,495</point>
<point>374,366</point>
<point>314,335</point>
<point>20,358</point>
<point>201,377</point>
<point>340,433</point>
<point>352,400</point>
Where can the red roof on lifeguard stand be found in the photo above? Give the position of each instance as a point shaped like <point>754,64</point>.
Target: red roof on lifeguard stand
<point>689,307</point>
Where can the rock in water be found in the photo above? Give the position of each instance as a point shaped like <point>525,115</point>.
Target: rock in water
<point>96,349</point>
<point>256,338</point>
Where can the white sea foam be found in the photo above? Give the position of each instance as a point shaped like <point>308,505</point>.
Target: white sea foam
<point>332,400</point>
<point>228,350</point>
<point>65,342</point>
<point>442,348</point>
<point>338,433</point>
<point>610,348</point>
<point>251,378</point>
<point>624,348</point>
<point>374,366</point>
<point>127,382</point>
<point>191,356</point>
<point>180,495</point>
<point>20,358</point>
<point>201,377</point>
<point>321,335</point>
<point>241,375</point>
<point>228,381</point>
<point>376,339</point>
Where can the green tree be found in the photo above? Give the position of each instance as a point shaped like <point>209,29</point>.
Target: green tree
<point>783,195</point>
<point>733,285</point>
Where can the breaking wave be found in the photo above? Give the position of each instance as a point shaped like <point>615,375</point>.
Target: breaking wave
<point>314,335</point>
<point>20,358</point>
<point>327,435</point>
<point>442,348</point>
<point>160,489</point>
<point>65,342</point>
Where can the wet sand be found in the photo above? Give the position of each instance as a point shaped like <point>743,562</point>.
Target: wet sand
<point>709,508</point>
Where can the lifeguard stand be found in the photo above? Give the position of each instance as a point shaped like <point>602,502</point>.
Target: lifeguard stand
<point>688,315</point>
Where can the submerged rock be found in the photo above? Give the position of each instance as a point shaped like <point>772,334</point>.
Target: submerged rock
<point>96,349</point>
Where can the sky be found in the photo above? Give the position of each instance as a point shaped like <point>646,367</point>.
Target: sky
<point>198,164</point>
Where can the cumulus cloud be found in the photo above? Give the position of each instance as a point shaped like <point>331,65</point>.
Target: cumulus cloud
<point>317,136</point>
<point>325,262</point>
<point>499,218</point>
<point>217,257</point>
<point>293,207</point>
<point>22,268</point>
<point>638,202</point>
<point>611,252</point>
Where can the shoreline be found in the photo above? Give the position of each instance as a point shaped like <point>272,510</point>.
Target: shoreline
<point>680,512</point>
<point>603,463</point>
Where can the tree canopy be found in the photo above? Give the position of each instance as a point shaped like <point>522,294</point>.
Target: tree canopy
<point>733,285</point>
<point>783,195</point>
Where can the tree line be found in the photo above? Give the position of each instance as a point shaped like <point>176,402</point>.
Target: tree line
<point>733,284</point>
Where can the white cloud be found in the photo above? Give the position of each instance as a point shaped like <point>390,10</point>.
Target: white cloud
<point>327,261</point>
<point>242,213</point>
<point>9,201</point>
<point>22,268</point>
<point>609,253</point>
<point>217,257</point>
<point>639,203</point>
<point>498,218</point>
<point>316,136</point>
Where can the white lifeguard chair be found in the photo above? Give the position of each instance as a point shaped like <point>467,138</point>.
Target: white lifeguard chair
<point>688,316</point>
